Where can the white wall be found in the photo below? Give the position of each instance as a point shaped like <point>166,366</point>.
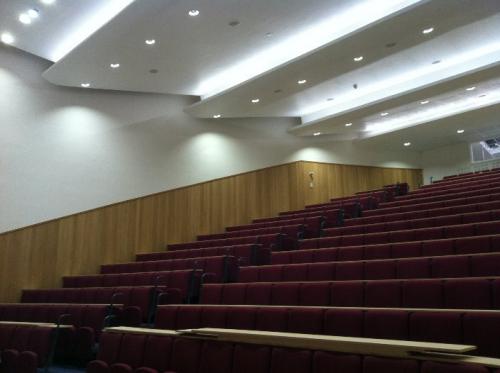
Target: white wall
<point>447,160</point>
<point>66,150</point>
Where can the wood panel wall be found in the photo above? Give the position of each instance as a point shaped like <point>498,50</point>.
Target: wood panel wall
<point>38,256</point>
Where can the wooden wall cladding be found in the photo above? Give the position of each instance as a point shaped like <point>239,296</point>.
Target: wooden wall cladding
<point>38,256</point>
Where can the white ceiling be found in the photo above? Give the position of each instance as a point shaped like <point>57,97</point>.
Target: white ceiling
<point>274,44</point>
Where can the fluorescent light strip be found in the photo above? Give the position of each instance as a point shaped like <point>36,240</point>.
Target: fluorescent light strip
<point>325,32</point>
<point>383,85</point>
<point>379,127</point>
<point>102,14</point>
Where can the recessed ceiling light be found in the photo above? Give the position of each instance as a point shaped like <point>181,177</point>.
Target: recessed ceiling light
<point>427,30</point>
<point>48,2</point>
<point>302,81</point>
<point>194,12</point>
<point>391,45</point>
<point>407,144</point>
<point>483,95</point>
<point>425,102</point>
<point>348,124</point>
<point>278,90</point>
<point>85,85</point>
<point>33,13</point>
<point>153,71</point>
<point>256,100</point>
<point>460,131</point>
<point>436,62</point>
<point>7,38</point>
<point>384,114</point>
<point>24,18</point>
<point>317,133</point>
<point>269,34</point>
<point>114,65</point>
<point>330,99</point>
<point>217,116</point>
<point>359,58</point>
<point>470,88</point>
<point>234,23</point>
<point>150,41</point>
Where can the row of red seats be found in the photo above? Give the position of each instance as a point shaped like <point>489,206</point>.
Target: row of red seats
<point>185,284</point>
<point>467,293</point>
<point>470,192</point>
<point>268,241</point>
<point>449,246</point>
<point>297,229</point>
<point>490,196</point>
<point>462,187</point>
<point>475,265</point>
<point>221,268</point>
<point>407,235</point>
<point>142,353</point>
<point>350,209</point>
<point>245,254</point>
<point>24,348</point>
<point>466,176</point>
<point>332,216</point>
<point>479,329</point>
<point>87,321</point>
<point>421,214</point>
<point>417,223</point>
<point>136,300</point>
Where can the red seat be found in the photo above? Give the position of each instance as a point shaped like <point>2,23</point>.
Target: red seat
<point>216,357</point>
<point>386,324</point>
<point>343,322</point>
<point>385,293</point>
<point>450,266</point>
<point>314,294</point>
<point>251,358</point>
<point>413,268</point>
<point>272,319</point>
<point>324,362</point>
<point>434,367</point>
<point>346,293</point>
<point>290,361</point>
<point>422,294</point>
<point>467,293</point>
<point>386,365</point>
<point>441,327</point>
<point>305,320</point>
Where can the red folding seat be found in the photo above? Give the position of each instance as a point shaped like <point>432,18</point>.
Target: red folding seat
<point>235,293</point>
<point>241,318</point>
<point>386,324</point>
<point>434,233</point>
<point>350,253</point>
<point>251,274</point>
<point>6,333</point>
<point>324,255</point>
<point>290,361</point>
<point>213,316</point>
<point>467,293</point>
<point>380,269</point>
<point>311,243</point>
<point>295,272</point>
<point>347,293</point>
<point>130,354</point>
<point>403,236</point>
<point>422,223</point>
<point>439,327</point>
<point>422,294</point>
<point>382,251</point>
<point>482,229</point>
<point>434,367</point>
<point>383,293</point>
<point>373,364</point>
<point>450,266</point>
<point>325,242</point>
<point>109,347</point>
<point>166,316</point>
<point>301,256</point>
<point>285,294</point>
<point>448,220</point>
<point>438,247</point>
<point>251,358</point>
<point>321,271</point>
<point>349,271</point>
<point>472,245</point>
<point>481,329</point>
<point>314,294</point>
<point>189,317</point>
<point>216,357</point>
<point>464,230</point>
<point>346,231</point>
<point>476,217</point>
<point>257,294</point>
<point>413,268</point>
<point>485,264</point>
<point>355,240</point>
<point>441,212</point>
<point>185,355</point>
<point>283,257</point>
<point>305,320</point>
<point>156,354</point>
<point>272,319</point>
<point>376,238</point>
<point>405,249</point>
<point>324,362</point>
<point>399,225</point>
<point>211,294</point>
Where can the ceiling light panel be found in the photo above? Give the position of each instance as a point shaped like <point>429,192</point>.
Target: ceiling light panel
<point>327,30</point>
